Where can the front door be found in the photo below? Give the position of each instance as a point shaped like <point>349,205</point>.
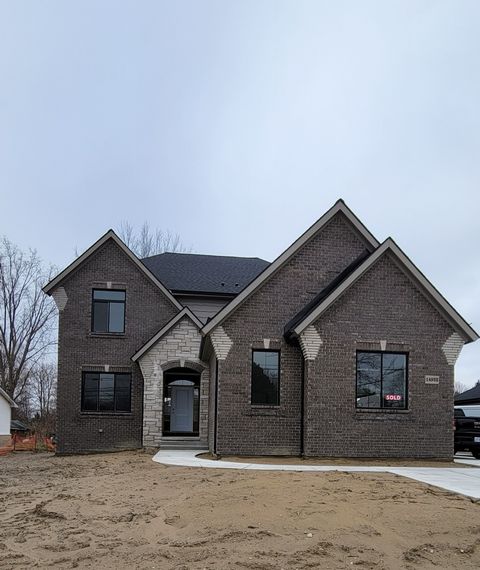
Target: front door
<point>181,415</point>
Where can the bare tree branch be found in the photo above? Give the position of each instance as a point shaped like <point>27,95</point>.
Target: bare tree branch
<point>146,241</point>
<point>43,388</point>
<point>26,316</point>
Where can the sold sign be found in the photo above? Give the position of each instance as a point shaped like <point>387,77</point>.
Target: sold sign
<point>393,397</point>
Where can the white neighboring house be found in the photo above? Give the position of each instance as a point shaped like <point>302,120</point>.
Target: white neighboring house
<point>6,405</point>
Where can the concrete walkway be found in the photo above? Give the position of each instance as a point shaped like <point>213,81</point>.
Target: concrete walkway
<point>460,480</point>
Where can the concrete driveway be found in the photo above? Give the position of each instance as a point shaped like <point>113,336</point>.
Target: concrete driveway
<point>460,480</point>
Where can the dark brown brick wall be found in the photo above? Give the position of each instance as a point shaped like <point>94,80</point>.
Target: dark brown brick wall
<point>247,429</point>
<point>147,310</point>
<point>382,305</point>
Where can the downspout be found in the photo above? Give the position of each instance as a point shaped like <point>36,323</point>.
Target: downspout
<point>215,416</point>
<point>302,409</point>
<point>143,403</point>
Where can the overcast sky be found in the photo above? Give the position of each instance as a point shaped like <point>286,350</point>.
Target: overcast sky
<point>237,124</point>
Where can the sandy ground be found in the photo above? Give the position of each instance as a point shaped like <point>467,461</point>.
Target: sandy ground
<point>125,511</point>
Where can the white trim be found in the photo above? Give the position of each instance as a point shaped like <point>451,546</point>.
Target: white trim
<point>185,312</point>
<point>92,249</point>
<point>391,246</point>
<point>339,206</point>
<point>8,399</point>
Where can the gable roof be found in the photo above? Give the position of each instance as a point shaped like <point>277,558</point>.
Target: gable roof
<point>17,425</point>
<point>469,395</point>
<point>431,292</point>
<point>7,398</point>
<point>339,206</point>
<point>188,272</point>
<point>186,312</point>
<point>49,288</point>
<point>309,307</point>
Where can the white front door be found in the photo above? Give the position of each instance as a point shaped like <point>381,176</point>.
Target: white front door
<point>181,414</point>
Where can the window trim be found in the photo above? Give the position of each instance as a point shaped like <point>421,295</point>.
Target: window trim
<point>278,403</point>
<point>92,320</point>
<point>105,412</point>
<point>407,393</point>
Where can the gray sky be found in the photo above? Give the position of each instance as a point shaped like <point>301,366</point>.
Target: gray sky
<point>237,124</point>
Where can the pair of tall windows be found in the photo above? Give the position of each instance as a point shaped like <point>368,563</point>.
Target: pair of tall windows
<point>381,379</point>
<point>101,391</point>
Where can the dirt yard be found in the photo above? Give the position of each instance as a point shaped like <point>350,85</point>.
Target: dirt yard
<point>125,511</point>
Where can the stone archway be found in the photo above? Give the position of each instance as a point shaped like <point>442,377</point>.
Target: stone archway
<point>167,354</point>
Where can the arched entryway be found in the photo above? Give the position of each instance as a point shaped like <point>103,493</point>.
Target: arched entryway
<point>181,402</point>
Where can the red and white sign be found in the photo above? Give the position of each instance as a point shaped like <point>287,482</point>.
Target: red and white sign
<point>393,397</point>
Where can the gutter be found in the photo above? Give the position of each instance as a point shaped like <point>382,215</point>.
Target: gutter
<point>206,294</point>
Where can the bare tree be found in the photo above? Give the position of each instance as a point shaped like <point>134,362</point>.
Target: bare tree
<point>24,412</point>
<point>26,316</point>
<point>42,392</point>
<point>146,241</point>
<point>43,388</point>
<point>458,388</point>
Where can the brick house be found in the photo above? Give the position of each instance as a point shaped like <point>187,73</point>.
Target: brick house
<point>340,347</point>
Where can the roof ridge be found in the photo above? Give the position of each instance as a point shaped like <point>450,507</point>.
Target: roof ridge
<point>432,293</point>
<point>110,235</point>
<point>204,255</point>
<point>339,207</point>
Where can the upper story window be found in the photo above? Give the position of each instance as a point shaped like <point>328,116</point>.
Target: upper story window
<point>266,377</point>
<point>106,392</point>
<point>381,380</point>
<point>108,311</point>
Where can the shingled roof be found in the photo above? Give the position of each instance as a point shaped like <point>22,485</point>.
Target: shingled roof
<point>313,304</point>
<point>214,274</point>
<point>471,396</point>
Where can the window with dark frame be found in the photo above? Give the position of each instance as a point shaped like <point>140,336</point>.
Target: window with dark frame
<point>108,311</point>
<point>265,377</point>
<point>381,380</point>
<point>106,392</point>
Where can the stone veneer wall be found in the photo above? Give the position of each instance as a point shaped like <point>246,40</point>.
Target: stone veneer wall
<point>178,348</point>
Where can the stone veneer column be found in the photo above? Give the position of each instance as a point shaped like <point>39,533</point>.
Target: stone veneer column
<point>179,347</point>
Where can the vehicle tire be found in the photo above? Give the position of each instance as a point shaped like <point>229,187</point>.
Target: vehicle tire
<point>476,453</point>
